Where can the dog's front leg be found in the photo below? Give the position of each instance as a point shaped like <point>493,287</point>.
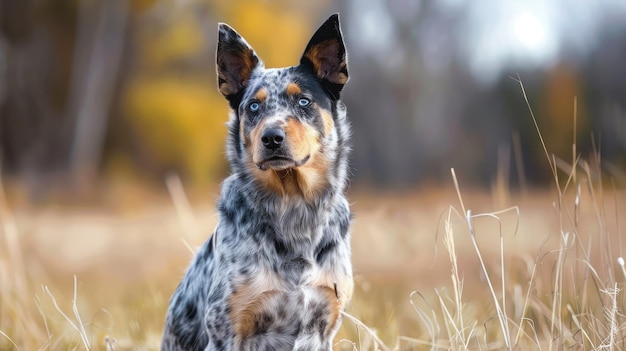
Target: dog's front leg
<point>218,324</point>
<point>320,321</point>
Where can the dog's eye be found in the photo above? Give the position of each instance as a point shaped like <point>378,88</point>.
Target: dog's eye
<point>304,102</point>
<point>254,106</point>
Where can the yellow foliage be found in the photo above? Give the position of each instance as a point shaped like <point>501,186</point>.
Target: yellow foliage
<point>180,123</point>
<point>179,38</point>
<point>279,36</point>
<point>142,5</point>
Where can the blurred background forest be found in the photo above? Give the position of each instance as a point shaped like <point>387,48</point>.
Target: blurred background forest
<point>94,90</point>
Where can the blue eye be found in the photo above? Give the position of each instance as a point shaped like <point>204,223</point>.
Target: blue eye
<point>254,106</point>
<point>304,102</point>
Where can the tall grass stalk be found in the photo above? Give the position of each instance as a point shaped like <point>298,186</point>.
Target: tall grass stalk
<point>78,324</point>
<point>378,344</point>
<point>503,318</point>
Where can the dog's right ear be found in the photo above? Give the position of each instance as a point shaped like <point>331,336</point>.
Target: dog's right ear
<point>235,60</point>
<point>326,55</point>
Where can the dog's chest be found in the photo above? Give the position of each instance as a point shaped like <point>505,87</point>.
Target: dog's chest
<point>256,290</point>
<point>269,270</point>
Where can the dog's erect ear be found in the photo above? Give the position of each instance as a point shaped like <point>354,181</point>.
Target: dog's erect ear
<point>235,61</point>
<point>326,55</point>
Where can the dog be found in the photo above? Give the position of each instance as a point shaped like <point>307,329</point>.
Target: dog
<point>276,272</point>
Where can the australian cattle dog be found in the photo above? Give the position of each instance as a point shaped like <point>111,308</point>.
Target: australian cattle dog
<point>276,272</point>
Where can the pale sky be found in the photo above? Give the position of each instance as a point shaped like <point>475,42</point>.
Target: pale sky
<point>496,33</point>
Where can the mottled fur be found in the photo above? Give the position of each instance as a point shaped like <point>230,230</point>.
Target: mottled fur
<point>276,273</point>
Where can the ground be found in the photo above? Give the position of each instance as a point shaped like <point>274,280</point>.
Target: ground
<point>419,278</point>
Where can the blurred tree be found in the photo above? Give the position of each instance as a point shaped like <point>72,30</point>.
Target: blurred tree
<point>561,89</point>
<point>604,86</point>
<point>35,39</point>
<point>61,64</point>
<point>98,51</point>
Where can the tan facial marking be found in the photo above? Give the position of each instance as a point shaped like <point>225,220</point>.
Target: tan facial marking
<point>329,123</point>
<point>300,138</point>
<point>293,89</point>
<point>312,176</point>
<point>261,95</point>
<point>257,146</point>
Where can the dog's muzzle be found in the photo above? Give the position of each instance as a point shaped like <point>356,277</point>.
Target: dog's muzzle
<point>276,153</point>
<point>272,138</point>
<point>280,163</point>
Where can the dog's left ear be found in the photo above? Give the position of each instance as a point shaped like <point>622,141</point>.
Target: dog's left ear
<point>235,60</point>
<point>326,56</point>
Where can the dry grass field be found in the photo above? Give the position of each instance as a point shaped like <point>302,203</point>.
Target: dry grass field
<point>435,269</point>
<point>488,270</point>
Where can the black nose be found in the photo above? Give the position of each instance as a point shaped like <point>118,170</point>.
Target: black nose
<point>273,138</point>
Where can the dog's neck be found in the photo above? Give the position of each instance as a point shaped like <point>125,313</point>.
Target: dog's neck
<point>304,184</point>
<point>292,216</point>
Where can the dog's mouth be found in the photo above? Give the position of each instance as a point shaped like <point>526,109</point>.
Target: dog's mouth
<point>279,163</point>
